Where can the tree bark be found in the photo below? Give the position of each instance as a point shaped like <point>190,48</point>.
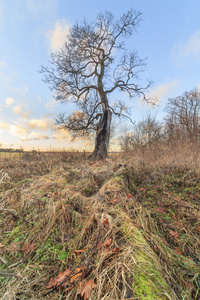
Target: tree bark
<point>103,135</point>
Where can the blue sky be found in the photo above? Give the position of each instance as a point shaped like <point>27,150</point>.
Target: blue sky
<point>169,36</point>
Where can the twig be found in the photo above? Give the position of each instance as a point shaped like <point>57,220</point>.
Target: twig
<point>14,215</point>
<point>8,274</point>
<point>9,210</point>
<point>3,260</point>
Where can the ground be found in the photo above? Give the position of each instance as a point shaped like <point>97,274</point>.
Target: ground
<point>73,228</point>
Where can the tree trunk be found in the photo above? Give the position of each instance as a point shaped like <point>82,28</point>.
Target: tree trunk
<point>103,135</point>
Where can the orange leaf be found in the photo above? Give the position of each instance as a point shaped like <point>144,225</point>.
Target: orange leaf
<point>79,274</point>
<point>116,250</point>
<point>108,243</point>
<point>175,234</point>
<point>61,277</point>
<point>51,283</point>
<point>106,223</point>
<point>129,196</point>
<point>178,251</point>
<point>78,252</point>
<point>85,288</point>
<point>115,200</point>
<point>160,210</point>
<point>28,248</point>
<point>86,229</point>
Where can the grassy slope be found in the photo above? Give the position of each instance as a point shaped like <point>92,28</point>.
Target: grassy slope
<point>54,206</point>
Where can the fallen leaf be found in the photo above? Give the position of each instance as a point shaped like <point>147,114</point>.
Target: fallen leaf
<point>177,251</point>
<point>78,252</point>
<point>116,250</point>
<point>86,229</point>
<point>62,276</point>
<point>198,228</point>
<point>28,248</point>
<point>108,243</point>
<point>58,281</point>
<point>85,288</point>
<point>51,283</point>
<point>106,223</point>
<point>79,274</point>
<point>129,196</point>
<point>160,210</point>
<point>14,248</point>
<point>174,234</point>
<point>99,245</point>
<point>188,285</point>
<point>115,200</point>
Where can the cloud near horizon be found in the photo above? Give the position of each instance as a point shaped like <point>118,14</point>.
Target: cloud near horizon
<point>19,110</point>
<point>57,36</point>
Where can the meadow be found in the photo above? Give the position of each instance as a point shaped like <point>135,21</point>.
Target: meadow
<point>124,228</point>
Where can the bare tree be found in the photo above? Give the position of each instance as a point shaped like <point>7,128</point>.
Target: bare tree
<point>86,71</point>
<point>145,133</point>
<point>183,117</point>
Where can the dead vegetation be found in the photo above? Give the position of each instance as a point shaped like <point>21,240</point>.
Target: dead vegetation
<point>125,228</point>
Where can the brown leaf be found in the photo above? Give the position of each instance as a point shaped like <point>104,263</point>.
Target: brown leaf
<point>115,200</point>
<point>99,245</point>
<point>108,243</point>
<point>85,288</point>
<point>106,223</point>
<point>79,252</point>
<point>28,248</point>
<point>116,250</point>
<point>86,229</point>
<point>174,234</point>
<point>51,283</point>
<point>160,210</point>
<point>178,251</point>
<point>62,276</point>
<point>79,274</point>
<point>14,248</point>
<point>198,228</point>
<point>188,285</point>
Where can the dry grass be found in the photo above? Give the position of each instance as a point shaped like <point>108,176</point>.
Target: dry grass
<point>136,219</point>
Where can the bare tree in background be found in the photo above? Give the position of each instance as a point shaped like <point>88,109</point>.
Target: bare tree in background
<point>85,72</point>
<point>145,133</point>
<point>183,117</point>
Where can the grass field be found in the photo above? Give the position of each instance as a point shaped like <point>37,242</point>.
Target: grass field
<point>124,228</point>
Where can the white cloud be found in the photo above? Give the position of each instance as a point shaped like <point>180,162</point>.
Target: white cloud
<point>4,125</point>
<point>42,124</point>
<point>62,135</point>
<point>17,130</point>
<point>9,101</point>
<point>164,90</point>
<point>50,105</point>
<point>19,110</point>
<point>57,36</point>
<point>35,136</point>
<point>189,48</point>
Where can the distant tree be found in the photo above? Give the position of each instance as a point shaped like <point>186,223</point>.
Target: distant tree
<point>85,72</point>
<point>182,121</point>
<point>144,134</point>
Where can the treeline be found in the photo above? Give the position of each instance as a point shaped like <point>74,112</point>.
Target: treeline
<point>11,150</point>
<point>181,125</point>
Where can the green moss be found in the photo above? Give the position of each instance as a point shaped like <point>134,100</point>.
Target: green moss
<point>148,282</point>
